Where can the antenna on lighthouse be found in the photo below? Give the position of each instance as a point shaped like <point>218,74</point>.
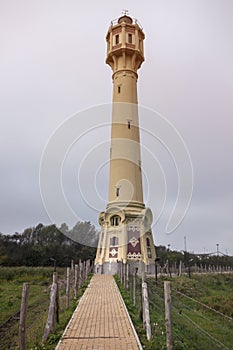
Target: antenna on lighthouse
<point>125,12</point>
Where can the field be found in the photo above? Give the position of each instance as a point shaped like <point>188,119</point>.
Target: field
<point>202,311</point>
<point>40,279</point>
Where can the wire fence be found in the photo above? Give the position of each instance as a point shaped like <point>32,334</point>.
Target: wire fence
<point>37,309</point>
<point>36,317</point>
<point>195,325</point>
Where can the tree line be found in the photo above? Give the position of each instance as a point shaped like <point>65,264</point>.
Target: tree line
<point>35,246</point>
<point>42,245</point>
<point>191,259</point>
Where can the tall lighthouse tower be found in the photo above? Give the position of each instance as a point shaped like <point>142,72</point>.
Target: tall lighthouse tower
<point>125,234</point>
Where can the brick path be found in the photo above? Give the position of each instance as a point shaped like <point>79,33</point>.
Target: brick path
<point>100,322</point>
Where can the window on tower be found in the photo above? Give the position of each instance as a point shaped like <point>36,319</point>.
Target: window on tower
<point>115,220</point>
<point>119,89</point>
<point>148,248</point>
<point>140,45</point>
<point>130,38</point>
<point>117,39</point>
<point>114,241</point>
<point>118,191</point>
<point>129,124</point>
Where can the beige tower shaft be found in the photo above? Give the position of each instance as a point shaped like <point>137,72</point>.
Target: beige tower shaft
<point>125,55</point>
<point>125,235</point>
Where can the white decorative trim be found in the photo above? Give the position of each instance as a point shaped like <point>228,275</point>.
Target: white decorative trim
<point>113,252</point>
<point>134,241</point>
<point>134,255</point>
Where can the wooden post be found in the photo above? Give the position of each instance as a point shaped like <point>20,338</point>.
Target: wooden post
<point>75,280</point>
<point>124,275</point>
<point>142,271</point>
<point>57,297</point>
<point>127,276</point>
<point>51,320</point>
<point>168,314</point>
<point>121,272</point>
<point>80,279</point>
<point>156,272</point>
<point>168,268</point>
<point>180,268</point>
<point>87,269</point>
<point>67,288</point>
<point>134,287</point>
<point>146,313</point>
<point>23,317</point>
<point>84,271</point>
<point>143,276</point>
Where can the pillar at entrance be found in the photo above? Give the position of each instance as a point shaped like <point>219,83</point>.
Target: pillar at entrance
<point>125,234</point>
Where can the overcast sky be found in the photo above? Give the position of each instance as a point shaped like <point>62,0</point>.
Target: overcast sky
<point>52,65</point>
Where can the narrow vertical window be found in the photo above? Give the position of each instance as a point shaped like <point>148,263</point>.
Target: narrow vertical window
<point>118,191</point>
<point>140,45</point>
<point>115,221</point>
<point>130,38</point>
<point>117,39</point>
<point>119,89</point>
<point>148,248</point>
<point>114,241</point>
<point>129,125</point>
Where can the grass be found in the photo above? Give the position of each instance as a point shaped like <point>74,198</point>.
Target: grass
<point>64,318</point>
<point>40,279</point>
<point>194,325</point>
<point>135,313</point>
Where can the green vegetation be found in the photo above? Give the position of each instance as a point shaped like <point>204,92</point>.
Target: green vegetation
<point>36,245</point>
<point>135,312</point>
<point>40,280</point>
<point>190,260</point>
<point>64,319</point>
<point>196,324</point>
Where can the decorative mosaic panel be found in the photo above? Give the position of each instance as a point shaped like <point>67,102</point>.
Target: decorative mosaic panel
<point>113,252</point>
<point>134,245</point>
<point>113,248</point>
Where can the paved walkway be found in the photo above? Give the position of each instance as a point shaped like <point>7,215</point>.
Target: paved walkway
<point>100,322</point>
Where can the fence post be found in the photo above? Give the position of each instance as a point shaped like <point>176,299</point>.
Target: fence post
<point>121,272</point>
<point>180,268</point>
<point>80,279</point>
<point>83,271</point>
<point>127,276</point>
<point>75,280</point>
<point>67,288</point>
<point>146,313</point>
<point>23,317</point>
<point>168,314</point>
<point>87,268</point>
<point>142,271</point>
<point>124,275</point>
<point>52,315</point>
<point>57,297</point>
<point>134,286</point>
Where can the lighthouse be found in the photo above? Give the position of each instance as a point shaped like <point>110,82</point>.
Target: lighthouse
<point>125,225</point>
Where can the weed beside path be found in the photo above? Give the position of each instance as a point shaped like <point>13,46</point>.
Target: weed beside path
<point>201,311</point>
<point>39,279</point>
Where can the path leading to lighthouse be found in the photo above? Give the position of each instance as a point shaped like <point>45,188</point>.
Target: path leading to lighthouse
<point>101,321</point>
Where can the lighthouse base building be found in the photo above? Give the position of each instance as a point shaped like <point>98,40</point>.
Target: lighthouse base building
<point>125,234</point>
<point>125,237</point>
